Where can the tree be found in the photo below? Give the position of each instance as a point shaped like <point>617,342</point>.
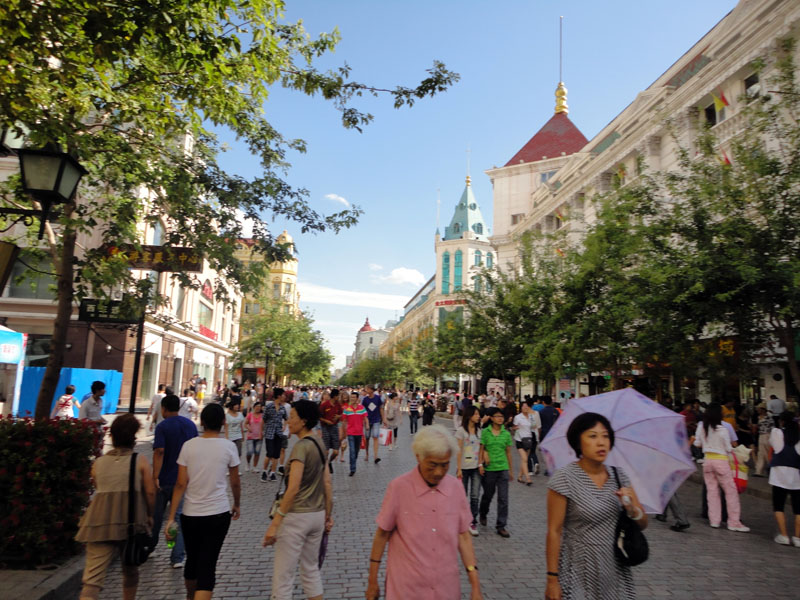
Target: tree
<point>733,223</point>
<point>303,354</point>
<point>135,89</point>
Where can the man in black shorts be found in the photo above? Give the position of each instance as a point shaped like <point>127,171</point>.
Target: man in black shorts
<point>273,440</point>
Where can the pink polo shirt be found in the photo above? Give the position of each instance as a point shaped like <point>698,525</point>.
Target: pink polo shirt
<point>425,522</point>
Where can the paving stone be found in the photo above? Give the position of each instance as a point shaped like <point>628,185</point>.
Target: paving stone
<point>699,563</point>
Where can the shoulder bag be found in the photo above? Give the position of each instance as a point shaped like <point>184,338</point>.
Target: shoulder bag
<point>630,545</point>
<point>137,545</point>
<point>276,503</point>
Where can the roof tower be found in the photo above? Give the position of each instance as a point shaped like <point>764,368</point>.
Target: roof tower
<point>467,217</point>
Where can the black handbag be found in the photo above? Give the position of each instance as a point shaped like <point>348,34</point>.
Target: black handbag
<point>630,545</point>
<point>137,545</point>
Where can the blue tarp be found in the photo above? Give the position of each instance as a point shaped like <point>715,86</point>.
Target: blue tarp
<point>82,380</point>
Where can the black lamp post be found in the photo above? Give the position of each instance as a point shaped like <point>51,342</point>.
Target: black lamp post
<point>266,349</point>
<point>51,177</point>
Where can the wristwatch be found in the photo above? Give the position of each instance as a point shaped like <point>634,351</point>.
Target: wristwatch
<point>471,568</point>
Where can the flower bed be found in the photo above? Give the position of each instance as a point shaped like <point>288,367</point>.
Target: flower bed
<point>45,485</point>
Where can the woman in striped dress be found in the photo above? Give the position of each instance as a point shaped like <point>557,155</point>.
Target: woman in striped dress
<point>583,504</point>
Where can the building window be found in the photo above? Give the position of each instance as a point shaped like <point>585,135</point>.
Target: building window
<point>456,228</point>
<point>205,315</point>
<point>276,291</point>
<point>714,116</point>
<point>517,218</point>
<point>446,273</point>
<point>457,265</point>
<point>546,176</point>
<point>478,228</point>
<point>489,260</point>
<point>752,86</point>
<point>158,234</point>
<point>34,285</point>
<point>370,341</point>
<point>477,283</point>
<point>180,301</point>
<point>288,292</point>
<point>478,258</point>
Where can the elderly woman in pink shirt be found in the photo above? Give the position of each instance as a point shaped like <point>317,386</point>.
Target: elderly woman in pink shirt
<point>425,519</point>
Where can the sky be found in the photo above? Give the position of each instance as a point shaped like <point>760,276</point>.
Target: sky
<point>507,53</point>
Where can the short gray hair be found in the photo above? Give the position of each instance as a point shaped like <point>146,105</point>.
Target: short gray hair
<point>434,440</point>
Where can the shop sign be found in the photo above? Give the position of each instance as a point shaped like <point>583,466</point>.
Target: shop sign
<point>100,310</point>
<point>12,347</point>
<point>159,258</point>
<point>450,302</point>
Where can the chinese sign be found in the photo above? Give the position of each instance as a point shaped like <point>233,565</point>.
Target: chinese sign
<point>450,302</point>
<point>12,346</point>
<point>160,258</point>
<point>122,311</point>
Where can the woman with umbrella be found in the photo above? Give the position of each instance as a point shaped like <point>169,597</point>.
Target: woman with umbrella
<point>583,504</point>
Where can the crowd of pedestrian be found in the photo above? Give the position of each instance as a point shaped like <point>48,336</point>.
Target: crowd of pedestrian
<point>194,473</point>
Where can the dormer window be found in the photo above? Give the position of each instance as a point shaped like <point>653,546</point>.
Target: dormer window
<point>456,228</point>
<point>478,228</point>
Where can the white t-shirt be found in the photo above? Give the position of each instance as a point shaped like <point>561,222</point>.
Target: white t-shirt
<point>234,425</point>
<point>188,407</point>
<point>717,441</point>
<point>523,424</point>
<point>471,446</point>
<point>155,408</point>
<point>207,461</point>
<point>787,478</point>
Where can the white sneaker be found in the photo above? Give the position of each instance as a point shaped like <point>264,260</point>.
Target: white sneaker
<point>782,540</point>
<point>246,467</point>
<point>473,529</point>
<point>714,526</point>
<point>796,542</point>
<point>740,528</point>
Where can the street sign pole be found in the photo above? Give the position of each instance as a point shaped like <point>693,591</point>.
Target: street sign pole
<point>137,359</point>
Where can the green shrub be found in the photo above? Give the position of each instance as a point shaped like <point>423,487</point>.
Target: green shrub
<point>45,483</point>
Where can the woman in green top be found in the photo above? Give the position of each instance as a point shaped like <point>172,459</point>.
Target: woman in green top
<point>304,512</point>
<point>495,469</point>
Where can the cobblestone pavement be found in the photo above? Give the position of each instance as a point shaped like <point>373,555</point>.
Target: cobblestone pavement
<point>700,563</point>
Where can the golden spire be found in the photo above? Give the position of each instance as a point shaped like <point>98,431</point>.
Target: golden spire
<point>561,99</point>
<point>469,181</point>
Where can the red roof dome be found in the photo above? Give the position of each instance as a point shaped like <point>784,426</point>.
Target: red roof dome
<point>558,135</point>
<point>366,327</point>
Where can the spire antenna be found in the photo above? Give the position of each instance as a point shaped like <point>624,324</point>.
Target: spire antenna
<point>469,157</point>
<point>560,48</point>
<point>561,90</point>
<point>438,206</point>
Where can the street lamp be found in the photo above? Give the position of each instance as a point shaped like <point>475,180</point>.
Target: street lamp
<point>270,349</point>
<point>51,177</point>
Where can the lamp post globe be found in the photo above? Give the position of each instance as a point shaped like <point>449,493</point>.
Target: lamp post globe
<point>49,176</point>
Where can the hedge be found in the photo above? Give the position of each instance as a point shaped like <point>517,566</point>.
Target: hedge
<point>45,483</point>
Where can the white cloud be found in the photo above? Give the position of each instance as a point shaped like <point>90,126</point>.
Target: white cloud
<point>403,276</point>
<point>374,267</point>
<point>319,294</point>
<point>339,199</point>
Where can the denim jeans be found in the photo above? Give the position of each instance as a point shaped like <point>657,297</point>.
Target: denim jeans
<point>164,497</point>
<point>496,480</point>
<point>413,416</point>
<point>354,445</point>
<point>471,479</point>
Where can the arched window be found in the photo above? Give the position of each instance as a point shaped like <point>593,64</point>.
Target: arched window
<point>477,283</point>
<point>456,228</point>
<point>457,271</point>
<point>478,228</point>
<point>489,260</point>
<point>478,258</point>
<point>446,273</point>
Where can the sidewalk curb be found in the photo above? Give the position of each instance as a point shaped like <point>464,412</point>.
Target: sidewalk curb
<point>63,582</point>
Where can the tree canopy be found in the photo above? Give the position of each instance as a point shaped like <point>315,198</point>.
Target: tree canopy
<point>135,90</point>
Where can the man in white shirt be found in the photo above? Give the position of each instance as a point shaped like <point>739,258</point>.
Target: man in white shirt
<point>775,406</point>
<point>154,412</point>
<point>188,405</point>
